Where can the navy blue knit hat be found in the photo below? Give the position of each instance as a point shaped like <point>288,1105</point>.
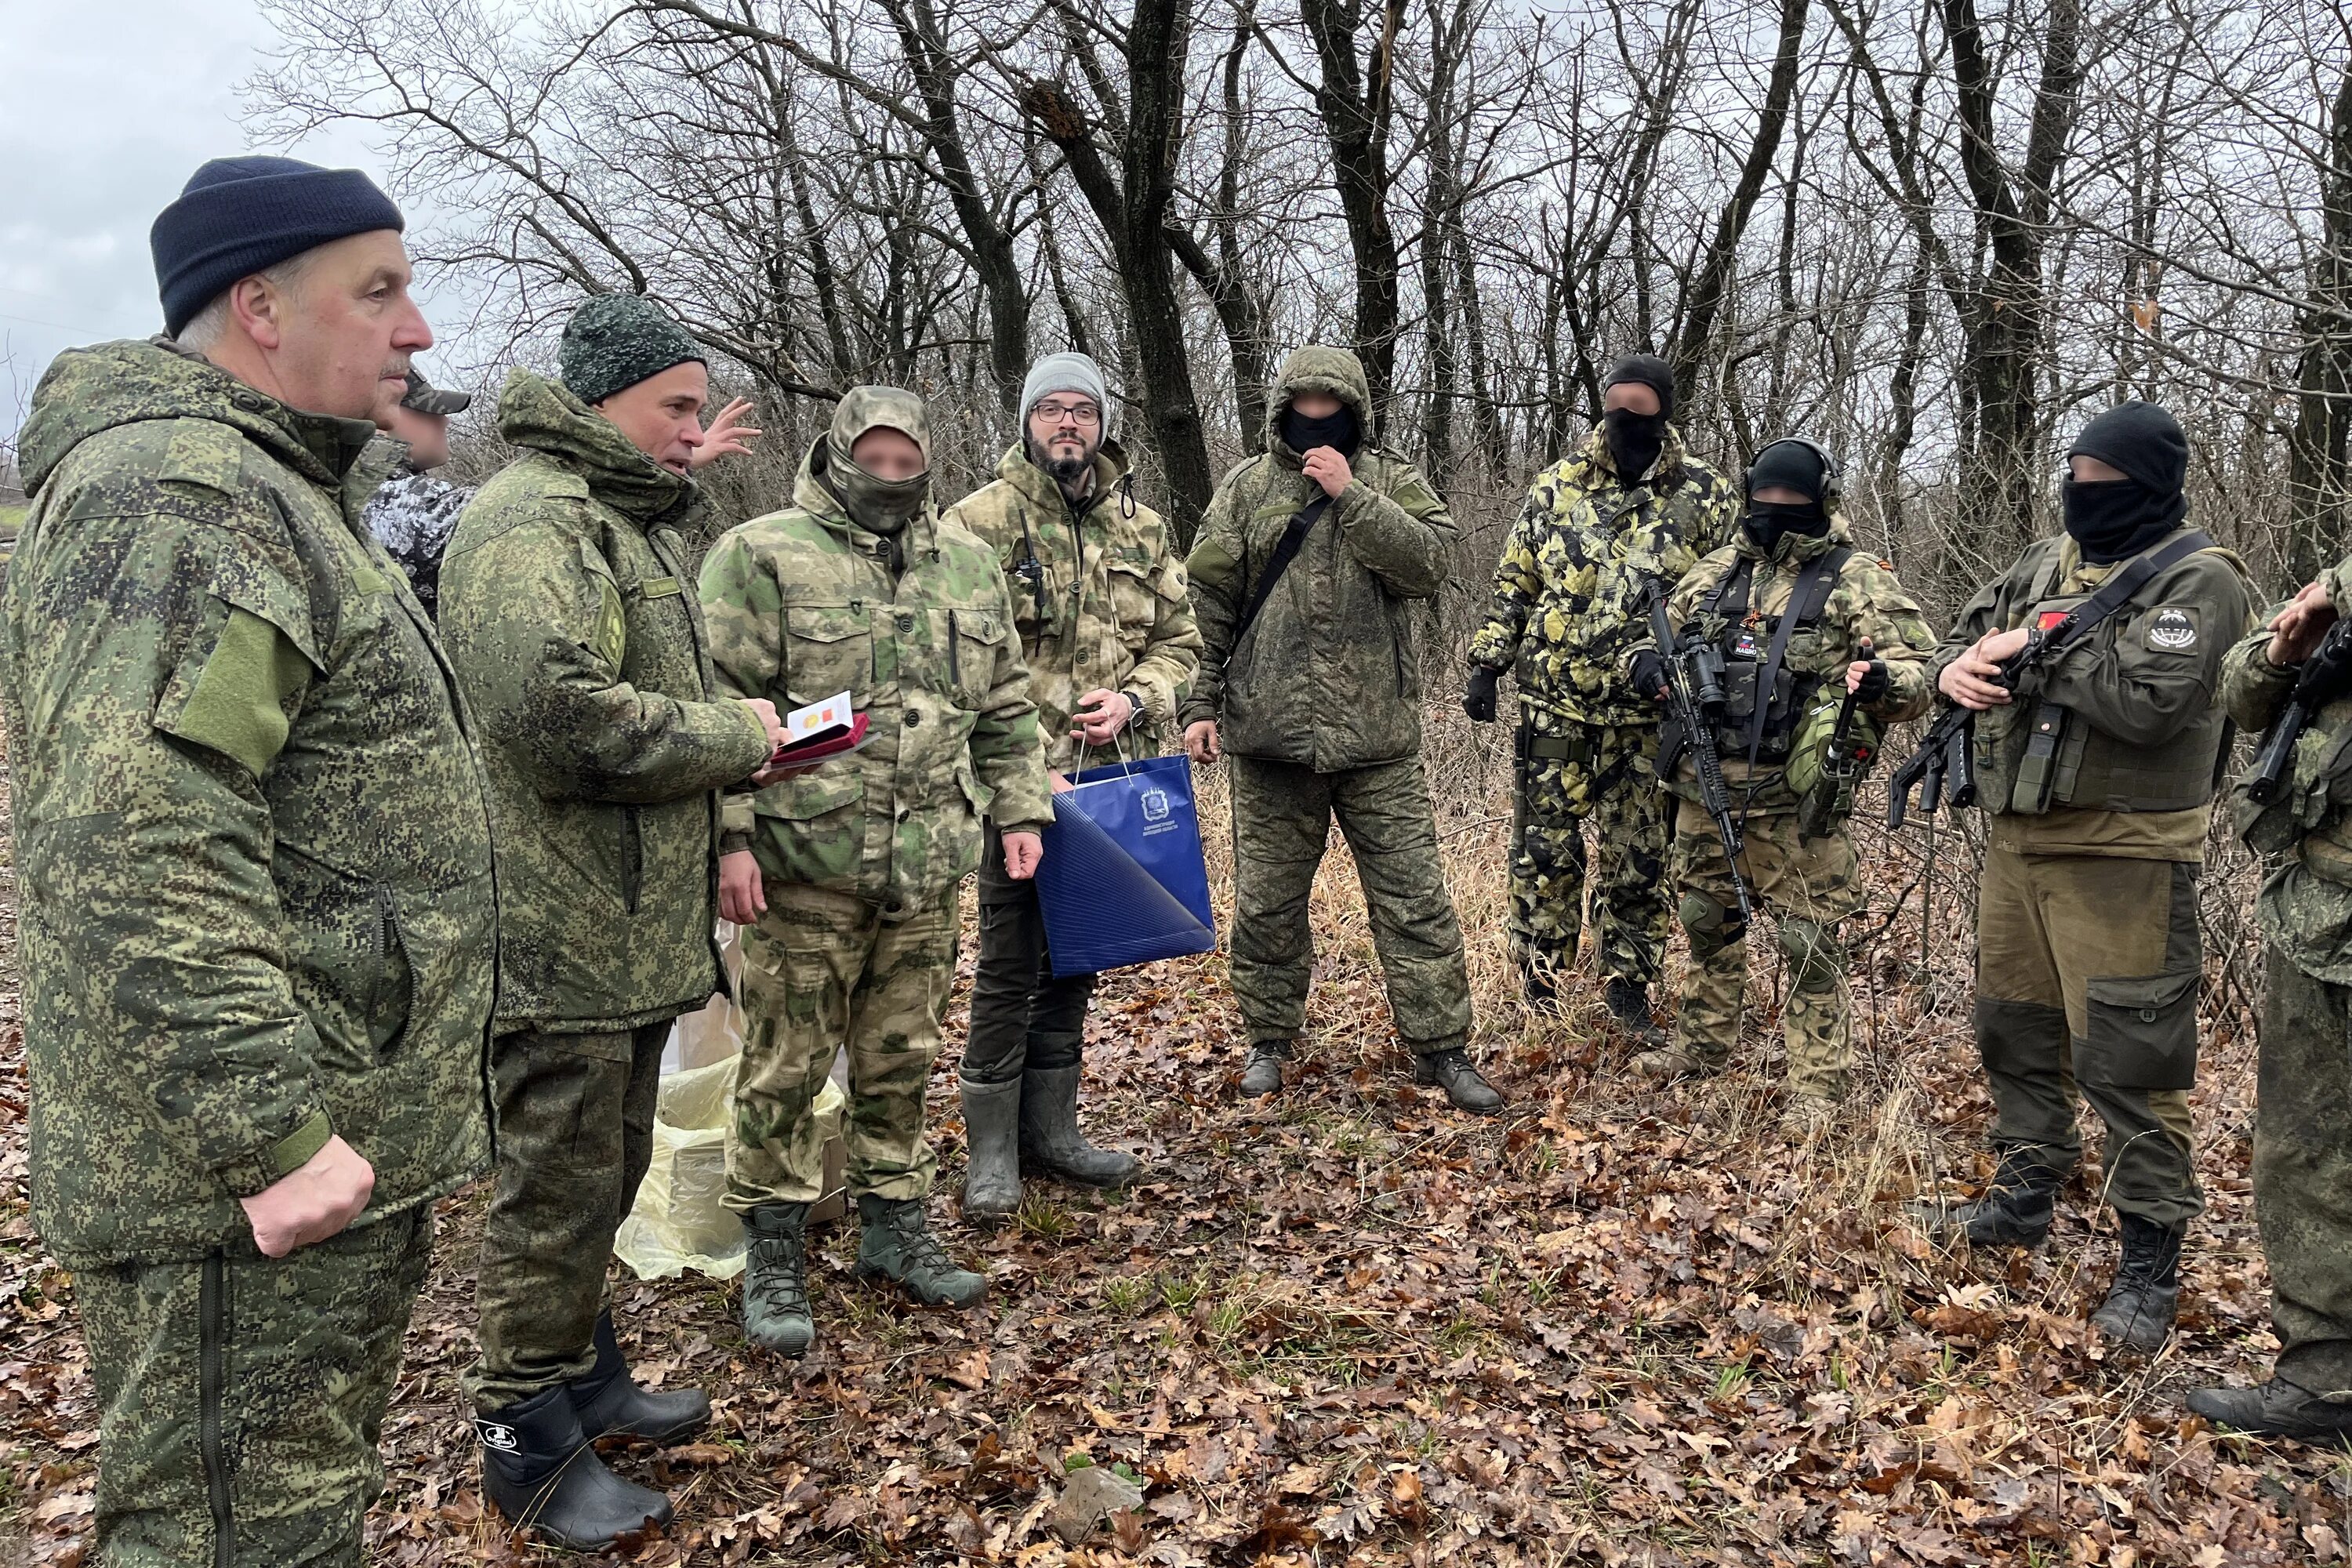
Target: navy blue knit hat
<point>236,216</point>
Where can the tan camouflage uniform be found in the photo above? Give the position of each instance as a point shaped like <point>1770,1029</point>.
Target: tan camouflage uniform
<point>1808,888</point>
<point>1567,606</point>
<point>861,855</point>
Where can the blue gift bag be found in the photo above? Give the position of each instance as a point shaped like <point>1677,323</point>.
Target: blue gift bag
<point>1123,881</point>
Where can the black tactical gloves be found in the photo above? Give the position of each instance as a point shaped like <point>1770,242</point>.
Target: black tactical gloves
<point>1479,700</point>
<point>1649,673</point>
<point>1875,682</point>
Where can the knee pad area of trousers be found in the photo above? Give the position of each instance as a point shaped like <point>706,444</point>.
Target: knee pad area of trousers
<point>1815,955</point>
<point>1704,918</point>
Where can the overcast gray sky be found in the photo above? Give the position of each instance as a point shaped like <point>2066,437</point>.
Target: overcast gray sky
<point>106,108</point>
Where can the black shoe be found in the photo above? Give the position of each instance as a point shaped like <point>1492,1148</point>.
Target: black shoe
<point>1451,1070</point>
<point>992,1136</point>
<point>1050,1138</point>
<point>2140,1304</point>
<point>1537,986</point>
<point>1262,1073</point>
<point>775,1279</point>
<point>608,1400</point>
<point>2015,1211</point>
<point>2276,1409</point>
<point>1629,1004</point>
<point>540,1474</point>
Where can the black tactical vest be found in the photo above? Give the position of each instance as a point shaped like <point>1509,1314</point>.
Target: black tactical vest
<point>1764,702</point>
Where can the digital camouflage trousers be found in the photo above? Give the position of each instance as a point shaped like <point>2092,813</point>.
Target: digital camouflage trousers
<point>2303,1172</point>
<point>1569,775</point>
<point>824,971</point>
<point>241,1397</point>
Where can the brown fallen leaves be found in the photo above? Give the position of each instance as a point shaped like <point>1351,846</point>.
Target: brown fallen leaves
<point>1348,1326</point>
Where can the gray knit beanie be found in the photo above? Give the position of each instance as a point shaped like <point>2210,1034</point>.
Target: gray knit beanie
<point>1068,371</point>
<point>615,341</point>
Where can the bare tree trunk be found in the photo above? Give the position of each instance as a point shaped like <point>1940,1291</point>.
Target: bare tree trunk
<point>1356,101</point>
<point>2317,466</point>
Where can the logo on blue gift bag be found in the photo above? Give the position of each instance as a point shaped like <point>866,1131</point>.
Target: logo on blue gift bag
<point>1156,808</point>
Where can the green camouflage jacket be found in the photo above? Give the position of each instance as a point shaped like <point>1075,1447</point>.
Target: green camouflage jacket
<point>1108,607</point>
<point>1568,588</point>
<point>802,605</point>
<point>1328,676</point>
<point>570,617</point>
<point>253,849</point>
<point>2306,906</point>
<point>1868,602</point>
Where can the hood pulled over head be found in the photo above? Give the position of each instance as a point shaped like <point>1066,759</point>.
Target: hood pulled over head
<point>874,503</point>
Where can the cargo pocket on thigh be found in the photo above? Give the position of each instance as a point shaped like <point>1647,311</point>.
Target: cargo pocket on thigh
<point>2141,1033</point>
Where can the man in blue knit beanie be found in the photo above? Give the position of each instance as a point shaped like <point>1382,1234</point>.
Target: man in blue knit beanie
<point>258,901</point>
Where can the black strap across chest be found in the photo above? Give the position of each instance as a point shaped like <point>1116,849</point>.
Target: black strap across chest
<point>1285,550</point>
<point>2121,584</point>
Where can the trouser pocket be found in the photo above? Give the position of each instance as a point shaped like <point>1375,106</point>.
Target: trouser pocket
<point>2140,1033</point>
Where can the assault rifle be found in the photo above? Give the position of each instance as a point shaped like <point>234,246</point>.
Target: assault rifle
<point>1694,687</point>
<point>2326,675</point>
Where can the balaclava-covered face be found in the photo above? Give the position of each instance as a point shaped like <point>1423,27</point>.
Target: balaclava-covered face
<point>1341,431</point>
<point>874,504</point>
<point>1789,464</point>
<point>2113,520</point>
<point>1634,440</point>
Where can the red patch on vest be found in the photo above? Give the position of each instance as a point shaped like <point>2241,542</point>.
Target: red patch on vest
<point>2048,620</point>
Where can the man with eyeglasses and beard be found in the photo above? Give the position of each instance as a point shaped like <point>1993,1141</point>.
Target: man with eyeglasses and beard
<point>1629,506</point>
<point>1107,633</point>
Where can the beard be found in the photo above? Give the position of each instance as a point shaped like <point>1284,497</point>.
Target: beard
<point>1069,472</point>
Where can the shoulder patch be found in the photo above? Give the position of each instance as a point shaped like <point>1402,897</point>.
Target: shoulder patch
<point>2173,628</point>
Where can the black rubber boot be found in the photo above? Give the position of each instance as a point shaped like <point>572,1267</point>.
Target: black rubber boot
<point>2141,1303</point>
<point>2278,1408</point>
<point>1050,1138</point>
<point>1262,1073</point>
<point>1451,1070</point>
<point>896,1243</point>
<point>775,1279</point>
<point>540,1474</point>
<point>1629,1004</point>
<point>2015,1211</point>
<point>608,1400</point>
<point>992,1136</point>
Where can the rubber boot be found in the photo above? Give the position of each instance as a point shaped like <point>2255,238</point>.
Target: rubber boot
<point>992,1136</point>
<point>775,1279</point>
<point>1451,1070</point>
<point>609,1402</point>
<point>1262,1074</point>
<point>2278,1408</point>
<point>896,1244</point>
<point>1629,1005</point>
<point>1050,1138</point>
<point>2141,1303</point>
<point>540,1474</point>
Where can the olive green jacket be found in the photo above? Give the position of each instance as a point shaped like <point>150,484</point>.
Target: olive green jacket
<point>254,853</point>
<point>1328,676</point>
<point>1106,606</point>
<point>569,610</point>
<point>802,605</point>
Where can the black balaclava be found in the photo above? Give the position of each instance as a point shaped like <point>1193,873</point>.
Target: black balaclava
<point>1342,432</point>
<point>2115,520</point>
<point>1635,440</point>
<point>1795,466</point>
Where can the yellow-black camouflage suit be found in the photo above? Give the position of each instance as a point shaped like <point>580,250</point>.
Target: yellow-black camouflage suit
<point>1567,609</point>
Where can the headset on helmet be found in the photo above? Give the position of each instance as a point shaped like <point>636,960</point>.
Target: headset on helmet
<point>1832,486</point>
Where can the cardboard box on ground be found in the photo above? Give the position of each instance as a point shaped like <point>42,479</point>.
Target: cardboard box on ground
<point>680,1221</point>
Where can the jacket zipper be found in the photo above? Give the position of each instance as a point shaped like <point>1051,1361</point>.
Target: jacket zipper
<point>955,663</point>
<point>632,857</point>
<point>212,1353</point>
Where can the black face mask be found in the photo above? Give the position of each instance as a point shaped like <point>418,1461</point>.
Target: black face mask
<point>1634,440</point>
<point>2115,520</point>
<point>1768,522</point>
<point>1337,431</point>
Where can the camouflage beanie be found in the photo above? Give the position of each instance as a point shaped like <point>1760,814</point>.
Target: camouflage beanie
<point>615,341</point>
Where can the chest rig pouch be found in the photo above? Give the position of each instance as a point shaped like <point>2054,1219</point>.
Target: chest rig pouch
<point>1764,701</point>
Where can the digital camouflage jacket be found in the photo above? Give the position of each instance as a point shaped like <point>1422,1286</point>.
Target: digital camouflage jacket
<point>1328,676</point>
<point>802,603</point>
<point>1867,601</point>
<point>254,853</point>
<point>2306,906</point>
<point>569,610</point>
<point>1566,605</point>
<point>1106,606</point>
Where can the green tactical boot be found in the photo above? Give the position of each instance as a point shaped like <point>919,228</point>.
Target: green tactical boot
<point>896,1244</point>
<point>775,1279</point>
